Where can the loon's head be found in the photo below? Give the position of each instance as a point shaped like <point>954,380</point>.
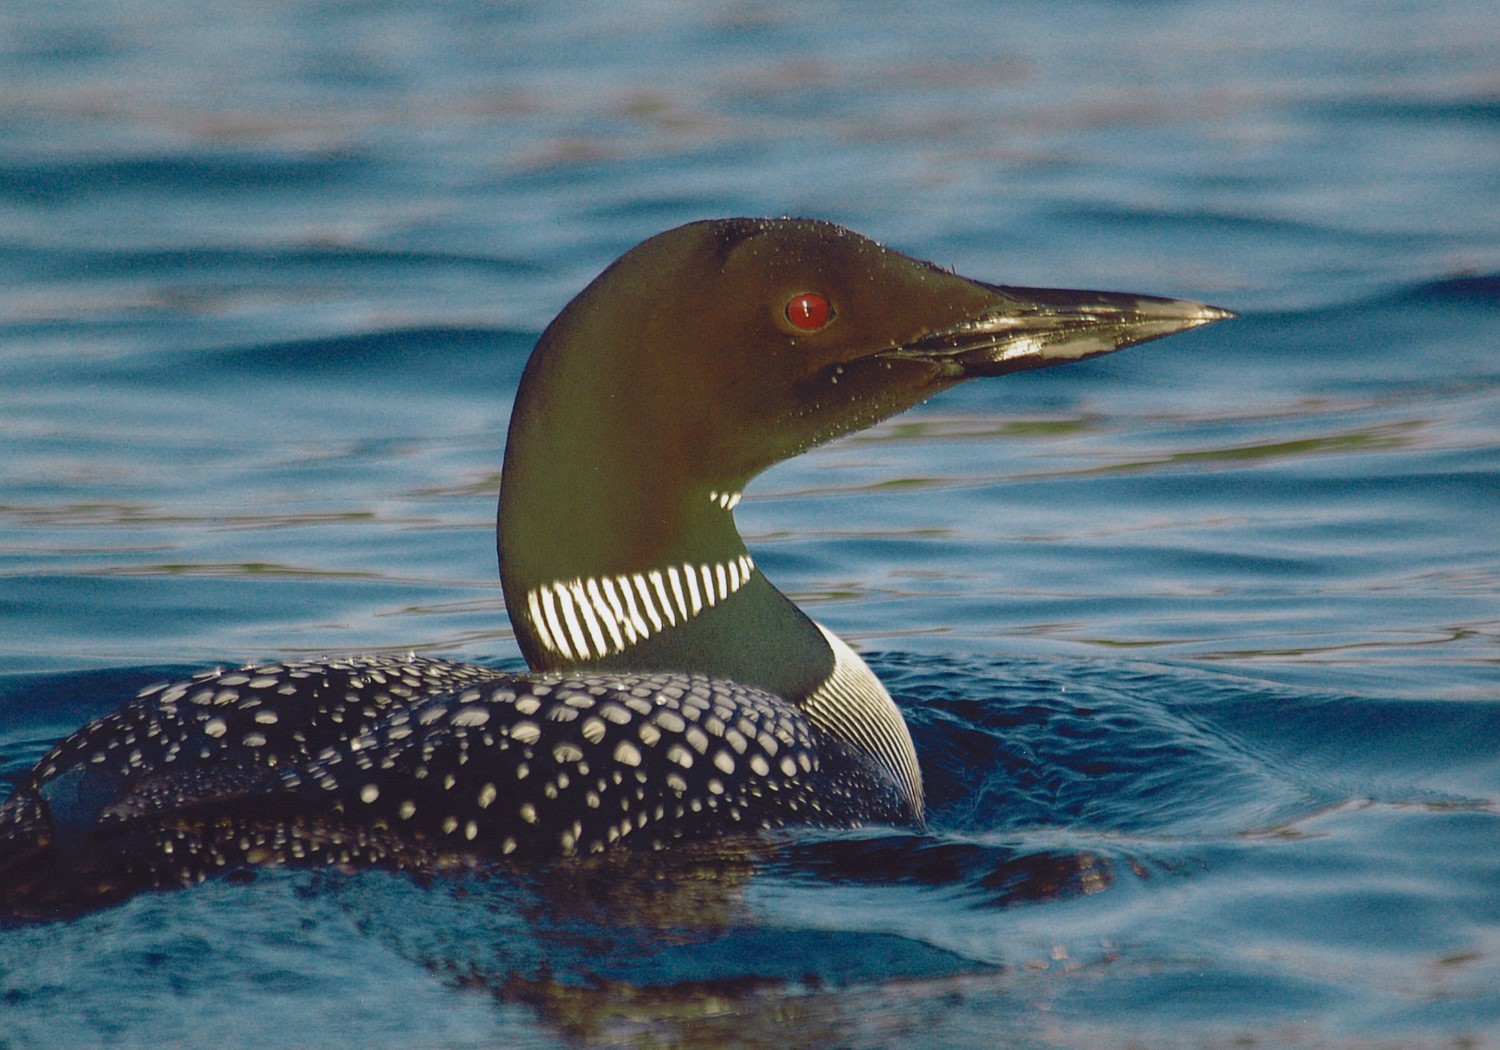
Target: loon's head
<point>694,362</point>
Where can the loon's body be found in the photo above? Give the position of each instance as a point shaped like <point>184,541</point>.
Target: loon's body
<point>674,693</point>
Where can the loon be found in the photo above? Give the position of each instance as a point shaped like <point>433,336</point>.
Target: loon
<point>674,693</point>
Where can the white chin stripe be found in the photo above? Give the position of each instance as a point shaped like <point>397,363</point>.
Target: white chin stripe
<point>597,616</point>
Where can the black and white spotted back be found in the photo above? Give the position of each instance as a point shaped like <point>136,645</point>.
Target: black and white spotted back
<point>384,759</point>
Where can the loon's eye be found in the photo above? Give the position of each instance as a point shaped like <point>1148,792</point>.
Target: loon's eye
<point>809,311</point>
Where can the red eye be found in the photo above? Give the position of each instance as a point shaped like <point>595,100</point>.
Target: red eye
<point>808,311</point>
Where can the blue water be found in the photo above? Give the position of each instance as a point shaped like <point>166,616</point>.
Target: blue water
<point>1200,643</point>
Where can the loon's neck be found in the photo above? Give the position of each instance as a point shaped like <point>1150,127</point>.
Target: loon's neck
<point>702,608</point>
<point>609,499</point>
<point>615,580</point>
<point>615,560</point>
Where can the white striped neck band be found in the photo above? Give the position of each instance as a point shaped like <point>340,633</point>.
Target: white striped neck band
<point>597,616</point>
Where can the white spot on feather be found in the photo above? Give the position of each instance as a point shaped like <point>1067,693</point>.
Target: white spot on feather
<point>627,754</point>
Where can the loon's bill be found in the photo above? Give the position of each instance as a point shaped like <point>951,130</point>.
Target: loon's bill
<point>674,692</point>
<point>1038,327</point>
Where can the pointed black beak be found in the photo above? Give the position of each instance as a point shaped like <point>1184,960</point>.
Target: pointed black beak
<point>1036,327</point>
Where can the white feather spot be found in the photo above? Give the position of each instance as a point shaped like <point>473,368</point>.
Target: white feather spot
<point>570,619</point>
<point>646,602</point>
<point>554,625</point>
<point>616,714</point>
<point>534,607</point>
<point>590,620</point>
<point>627,754</point>
<point>661,593</point>
<point>635,626</point>
<point>611,590</point>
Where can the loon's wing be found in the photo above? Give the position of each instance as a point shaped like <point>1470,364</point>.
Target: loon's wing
<point>133,784</point>
<point>417,765</point>
<point>25,831</point>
